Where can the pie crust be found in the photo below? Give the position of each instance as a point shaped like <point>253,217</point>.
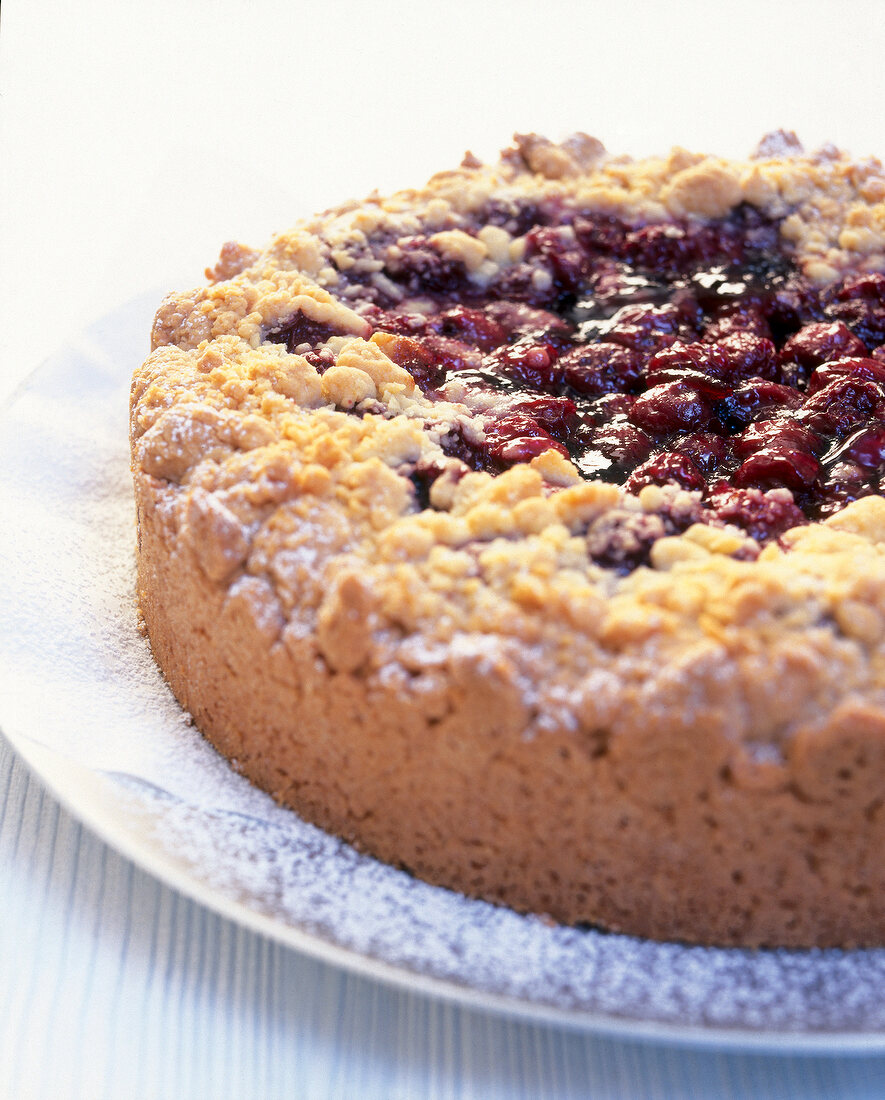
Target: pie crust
<point>691,749</point>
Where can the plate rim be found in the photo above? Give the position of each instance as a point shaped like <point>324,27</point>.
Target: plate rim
<point>52,769</point>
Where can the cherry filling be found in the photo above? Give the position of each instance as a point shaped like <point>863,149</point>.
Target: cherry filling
<point>690,356</point>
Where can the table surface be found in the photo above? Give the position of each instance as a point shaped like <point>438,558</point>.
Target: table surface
<point>113,985</point>
<point>133,143</point>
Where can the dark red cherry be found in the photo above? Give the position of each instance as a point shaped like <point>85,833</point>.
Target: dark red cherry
<point>644,328</point>
<point>703,366</point>
<point>866,369</point>
<point>526,363</point>
<point>741,317</point>
<point>775,466</point>
<point>451,355</point>
<point>784,434</point>
<point>707,450</point>
<point>792,305</point>
<point>869,286</point>
<point>864,316</point>
<point>865,448</point>
<point>519,321</point>
<point>755,398</point>
<point>664,468</point>
<point>672,407</point>
<point>623,443</point>
<point>749,356</point>
<point>610,407</point>
<point>844,483</point>
<point>595,369</point>
<point>843,405</point>
<point>399,324</point>
<point>847,477</point>
<point>472,326</point>
<point>821,342</point>
<point>525,448</point>
<point>517,438</point>
<point>556,415</point>
<point>762,515</point>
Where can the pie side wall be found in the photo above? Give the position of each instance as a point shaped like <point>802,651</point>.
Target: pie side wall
<point>451,788</point>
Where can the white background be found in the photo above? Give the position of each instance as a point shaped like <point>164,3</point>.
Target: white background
<point>136,138</point>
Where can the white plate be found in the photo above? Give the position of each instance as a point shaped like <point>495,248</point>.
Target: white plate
<point>82,702</point>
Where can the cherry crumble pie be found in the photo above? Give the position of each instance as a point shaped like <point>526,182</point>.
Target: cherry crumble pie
<point>527,531</point>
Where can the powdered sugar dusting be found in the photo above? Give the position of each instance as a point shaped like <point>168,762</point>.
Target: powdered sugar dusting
<point>306,879</point>
<point>66,598</point>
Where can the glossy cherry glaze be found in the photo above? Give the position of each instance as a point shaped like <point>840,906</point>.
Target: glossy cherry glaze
<point>683,355</point>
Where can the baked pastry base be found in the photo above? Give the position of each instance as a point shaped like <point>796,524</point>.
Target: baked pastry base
<point>693,751</point>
